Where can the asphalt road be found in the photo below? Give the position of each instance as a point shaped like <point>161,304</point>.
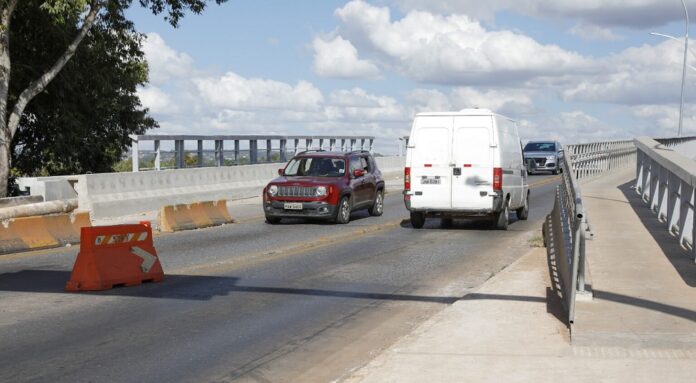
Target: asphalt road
<point>298,301</point>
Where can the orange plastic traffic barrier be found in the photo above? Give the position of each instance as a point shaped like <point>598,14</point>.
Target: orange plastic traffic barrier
<point>111,256</point>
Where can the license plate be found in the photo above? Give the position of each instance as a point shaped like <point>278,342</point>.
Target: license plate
<point>292,206</point>
<point>430,181</point>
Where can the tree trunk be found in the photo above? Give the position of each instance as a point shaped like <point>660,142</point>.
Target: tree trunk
<point>10,122</point>
<point>5,66</point>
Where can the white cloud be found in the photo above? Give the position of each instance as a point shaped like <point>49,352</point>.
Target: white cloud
<point>236,92</point>
<point>594,32</point>
<point>156,100</point>
<point>337,57</point>
<point>164,62</point>
<point>452,49</point>
<point>630,13</point>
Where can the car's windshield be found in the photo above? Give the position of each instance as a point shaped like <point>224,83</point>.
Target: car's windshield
<point>540,147</point>
<point>316,167</point>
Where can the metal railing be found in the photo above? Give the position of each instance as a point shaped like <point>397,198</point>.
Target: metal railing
<point>565,231</point>
<point>666,180</point>
<point>596,158</point>
<point>345,143</point>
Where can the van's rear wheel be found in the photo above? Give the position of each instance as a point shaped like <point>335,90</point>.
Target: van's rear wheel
<point>501,218</point>
<point>523,212</point>
<point>417,219</point>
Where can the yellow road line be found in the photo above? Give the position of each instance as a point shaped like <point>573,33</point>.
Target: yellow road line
<point>292,249</point>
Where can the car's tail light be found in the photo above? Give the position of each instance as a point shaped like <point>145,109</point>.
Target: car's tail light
<point>497,179</point>
<point>407,178</point>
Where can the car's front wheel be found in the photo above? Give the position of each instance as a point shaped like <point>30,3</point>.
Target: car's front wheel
<point>343,211</point>
<point>378,207</point>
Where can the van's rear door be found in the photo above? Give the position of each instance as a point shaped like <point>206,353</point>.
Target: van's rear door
<point>472,155</point>
<point>430,158</point>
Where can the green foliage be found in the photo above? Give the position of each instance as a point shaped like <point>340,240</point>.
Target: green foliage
<point>81,122</point>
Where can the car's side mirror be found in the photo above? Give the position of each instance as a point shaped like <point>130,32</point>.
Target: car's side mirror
<point>357,173</point>
<point>281,171</point>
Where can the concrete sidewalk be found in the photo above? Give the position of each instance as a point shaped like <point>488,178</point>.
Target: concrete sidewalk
<point>643,281</point>
<point>637,329</point>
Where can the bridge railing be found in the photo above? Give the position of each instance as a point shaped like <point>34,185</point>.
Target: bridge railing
<point>596,158</point>
<point>565,231</point>
<point>666,180</point>
<point>568,227</point>
<point>284,143</point>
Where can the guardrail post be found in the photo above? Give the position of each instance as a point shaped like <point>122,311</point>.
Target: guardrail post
<point>135,155</point>
<point>332,144</point>
<point>321,144</point>
<point>283,150</point>
<point>297,143</point>
<point>372,143</point>
<point>179,154</point>
<point>269,151</point>
<point>308,144</point>
<point>200,154</point>
<point>236,152</point>
<point>253,152</point>
<point>352,144</point>
<point>158,155</point>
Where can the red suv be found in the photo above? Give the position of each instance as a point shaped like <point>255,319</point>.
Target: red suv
<point>325,185</point>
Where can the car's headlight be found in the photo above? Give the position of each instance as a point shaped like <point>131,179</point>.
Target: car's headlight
<point>273,190</point>
<point>321,191</point>
<point>550,157</point>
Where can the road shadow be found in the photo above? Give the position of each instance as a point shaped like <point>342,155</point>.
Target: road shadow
<point>190,287</point>
<point>455,224</point>
<point>680,258</point>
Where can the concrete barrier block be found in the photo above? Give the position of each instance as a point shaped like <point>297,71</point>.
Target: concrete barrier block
<point>193,216</point>
<point>38,232</point>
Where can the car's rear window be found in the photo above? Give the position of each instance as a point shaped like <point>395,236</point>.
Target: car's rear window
<point>316,167</point>
<point>540,147</point>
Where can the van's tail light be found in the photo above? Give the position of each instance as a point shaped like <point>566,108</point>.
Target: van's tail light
<point>407,178</point>
<point>497,179</point>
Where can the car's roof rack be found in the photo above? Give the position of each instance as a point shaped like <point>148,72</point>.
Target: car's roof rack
<point>359,151</point>
<point>311,151</point>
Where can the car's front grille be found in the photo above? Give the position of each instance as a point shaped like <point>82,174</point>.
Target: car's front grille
<point>540,161</point>
<point>297,191</point>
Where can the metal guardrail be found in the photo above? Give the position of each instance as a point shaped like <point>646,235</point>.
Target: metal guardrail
<point>596,158</point>
<point>666,180</point>
<point>565,230</point>
<point>310,142</point>
<point>567,227</point>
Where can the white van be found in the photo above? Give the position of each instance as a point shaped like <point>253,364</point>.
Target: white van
<point>465,164</point>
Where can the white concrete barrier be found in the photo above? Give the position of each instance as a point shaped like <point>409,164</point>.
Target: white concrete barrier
<point>118,194</point>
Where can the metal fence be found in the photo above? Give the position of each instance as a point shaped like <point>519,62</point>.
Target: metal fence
<point>282,145</point>
<point>596,158</point>
<point>565,231</point>
<point>666,181</point>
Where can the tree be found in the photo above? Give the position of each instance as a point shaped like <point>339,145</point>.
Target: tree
<point>80,123</point>
<point>87,13</point>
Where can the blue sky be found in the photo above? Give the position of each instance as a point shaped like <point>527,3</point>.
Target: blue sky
<point>565,71</point>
